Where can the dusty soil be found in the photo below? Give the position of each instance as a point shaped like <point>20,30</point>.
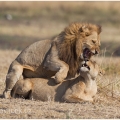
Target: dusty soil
<point>103,107</point>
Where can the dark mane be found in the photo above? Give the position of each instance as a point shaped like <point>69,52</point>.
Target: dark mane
<point>70,48</point>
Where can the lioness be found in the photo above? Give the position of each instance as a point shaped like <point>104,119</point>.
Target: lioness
<point>60,57</point>
<point>83,88</point>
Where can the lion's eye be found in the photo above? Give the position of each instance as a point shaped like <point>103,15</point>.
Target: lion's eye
<point>93,41</point>
<point>87,34</point>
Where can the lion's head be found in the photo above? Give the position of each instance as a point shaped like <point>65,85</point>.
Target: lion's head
<point>78,39</point>
<point>89,67</point>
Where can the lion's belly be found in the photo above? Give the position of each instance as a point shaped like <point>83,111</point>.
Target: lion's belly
<point>47,89</point>
<point>39,73</point>
<point>42,91</point>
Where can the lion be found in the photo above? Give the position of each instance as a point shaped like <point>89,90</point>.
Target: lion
<point>82,88</point>
<point>59,57</point>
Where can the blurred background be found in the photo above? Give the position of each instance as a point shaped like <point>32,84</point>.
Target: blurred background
<point>22,23</point>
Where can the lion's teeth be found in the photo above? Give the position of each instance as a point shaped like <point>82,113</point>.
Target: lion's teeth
<point>82,65</point>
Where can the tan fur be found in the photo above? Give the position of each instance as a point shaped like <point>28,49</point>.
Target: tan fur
<point>59,57</point>
<point>83,88</point>
<point>73,37</point>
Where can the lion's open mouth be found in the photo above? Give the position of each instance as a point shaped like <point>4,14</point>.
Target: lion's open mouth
<point>87,54</point>
<point>85,65</point>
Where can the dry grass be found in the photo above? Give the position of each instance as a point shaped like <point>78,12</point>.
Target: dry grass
<point>106,104</point>
<point>109,84</point>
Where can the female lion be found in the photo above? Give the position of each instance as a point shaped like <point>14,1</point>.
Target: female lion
<point>83,88</point>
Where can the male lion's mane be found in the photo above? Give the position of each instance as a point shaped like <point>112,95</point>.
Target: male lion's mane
<point>70,44</point>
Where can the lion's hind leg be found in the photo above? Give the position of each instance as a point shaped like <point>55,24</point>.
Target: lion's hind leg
<point>14,73</point>
<point>22,88</point>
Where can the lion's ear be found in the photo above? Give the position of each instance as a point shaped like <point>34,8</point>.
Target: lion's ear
<point>99,29</point>
<point>101,72</point>
<point>83,29</point>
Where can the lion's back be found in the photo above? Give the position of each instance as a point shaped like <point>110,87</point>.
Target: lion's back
<point>34,54</point>
<point>43,89</point>
<point>47,89</point>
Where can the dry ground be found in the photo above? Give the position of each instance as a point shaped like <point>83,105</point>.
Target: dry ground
<point>105,106</point>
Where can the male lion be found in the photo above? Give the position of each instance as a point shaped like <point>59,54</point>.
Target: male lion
<point>60,57</point>
<point>82,88</point>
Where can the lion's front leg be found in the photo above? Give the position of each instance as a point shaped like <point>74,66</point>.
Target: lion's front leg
<point>53,63</point>
<point>62,73</point>
<point>72,99</point>
<point>76,93</point>
<point>76,99</point>
<point>61,67</point>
